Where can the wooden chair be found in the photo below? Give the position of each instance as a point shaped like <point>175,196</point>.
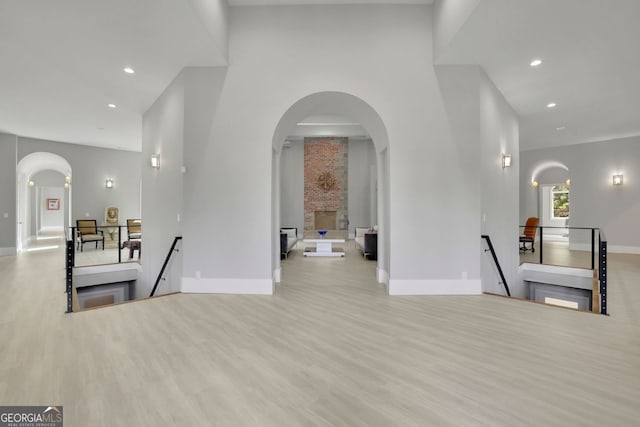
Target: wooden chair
<point>87,231</point>
<point>529,234</point>
<point>134,237</point>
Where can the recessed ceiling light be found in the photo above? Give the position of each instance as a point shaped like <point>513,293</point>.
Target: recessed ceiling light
<point>111,105</point>
<point>551,105</point>
<point>129,70</point>
<point>561,128</point>
<point>535,62</point>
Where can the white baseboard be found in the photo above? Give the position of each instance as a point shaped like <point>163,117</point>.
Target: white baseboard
<point>277,275</point>
<point>613,249</point>
<point>227,286</point>
<point>435,287</point>
<point>8,251</point>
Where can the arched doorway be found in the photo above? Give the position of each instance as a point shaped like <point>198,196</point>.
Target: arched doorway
<point>33,201</point>
<point>345,105</point>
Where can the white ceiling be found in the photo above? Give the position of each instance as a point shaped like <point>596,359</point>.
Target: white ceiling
<point>62,64</point>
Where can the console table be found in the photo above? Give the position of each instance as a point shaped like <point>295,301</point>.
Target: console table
<point>323,247</point>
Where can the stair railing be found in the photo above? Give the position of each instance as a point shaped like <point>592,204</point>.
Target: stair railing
<point>166,261</point>
<point>497,263</point>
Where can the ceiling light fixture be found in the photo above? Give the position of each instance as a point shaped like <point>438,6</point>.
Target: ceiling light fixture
<point>561,128</point>
<point>551,105</point>
<point>536,62</point>
<point>129,70</point>
<point>111,105</point>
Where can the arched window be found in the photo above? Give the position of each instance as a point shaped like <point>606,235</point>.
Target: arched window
<point>560,202</point>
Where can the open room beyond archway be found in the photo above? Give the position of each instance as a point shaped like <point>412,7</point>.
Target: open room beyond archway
<point>341,115</point>
<point>31,196</point>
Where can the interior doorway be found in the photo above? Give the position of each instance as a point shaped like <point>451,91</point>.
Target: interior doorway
<point>330,115</point>
<point>43,197</point>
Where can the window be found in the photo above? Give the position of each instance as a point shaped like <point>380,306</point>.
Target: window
<point>560,199</point>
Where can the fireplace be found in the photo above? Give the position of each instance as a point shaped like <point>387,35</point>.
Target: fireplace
<point>325,220</point>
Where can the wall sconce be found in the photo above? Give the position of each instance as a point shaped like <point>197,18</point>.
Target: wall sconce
<point>31,183</point>
<point>66,185</point>
<point>109,183</point>
<point>155,161</point>
<point>618,179</point>
<point>506,161</point>
<point>534,184</point>
<point>568,182</point>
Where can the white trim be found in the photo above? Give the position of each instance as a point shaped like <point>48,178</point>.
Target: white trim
<point>435,287</point>
<point>8,251</point>
<point>277,275</point>
<point>227,286</point>
<point>383,276</point>
<point>612,249</point>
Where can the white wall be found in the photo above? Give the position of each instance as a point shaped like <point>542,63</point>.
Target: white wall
<point>484,127</point>
<point>595,201</point>
<point>50,218</point>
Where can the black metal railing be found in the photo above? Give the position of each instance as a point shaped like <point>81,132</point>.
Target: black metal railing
<point>602,271</point>
<point>600,254</point>
<point>117,235</point>
<point>69,254</point>
<point>166,262</point>
<point>497,263</point>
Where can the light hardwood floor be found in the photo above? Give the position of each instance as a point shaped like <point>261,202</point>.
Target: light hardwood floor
<point>330,348</point>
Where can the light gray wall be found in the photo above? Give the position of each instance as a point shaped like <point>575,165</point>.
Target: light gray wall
<point>7,194</point>
<point>91,167</point>
<point>484,127</point>
<point>177,126</point>
<point>362,179</point>
<point>595,201</point>
<point>292,186</point>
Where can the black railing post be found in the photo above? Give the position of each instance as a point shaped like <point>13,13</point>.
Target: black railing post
<point>593,247</point>
<point>541,241</point>
<point>495,259</point>
<point>602,275</point>
<point>69,273</point>
<point>166,261</point>
<point>120,244</point>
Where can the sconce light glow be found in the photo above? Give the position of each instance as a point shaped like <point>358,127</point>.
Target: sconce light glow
<point>506,161</point>
<point>31,183</point>
<point>66,185</point>
<point>618,179</point>
<point>67,179</point>
<point>155,161</point>
<point>568,182</point>
<point>109,183</point>
<point>534,184</point>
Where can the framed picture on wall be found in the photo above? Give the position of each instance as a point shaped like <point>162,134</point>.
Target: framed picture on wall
<point>53,204</point>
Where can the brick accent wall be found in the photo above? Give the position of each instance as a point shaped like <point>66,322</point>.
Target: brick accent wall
<point>326,157</point>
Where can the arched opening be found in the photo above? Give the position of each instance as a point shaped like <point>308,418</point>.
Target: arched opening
<point>43,196</point>
<point>351,111</point>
